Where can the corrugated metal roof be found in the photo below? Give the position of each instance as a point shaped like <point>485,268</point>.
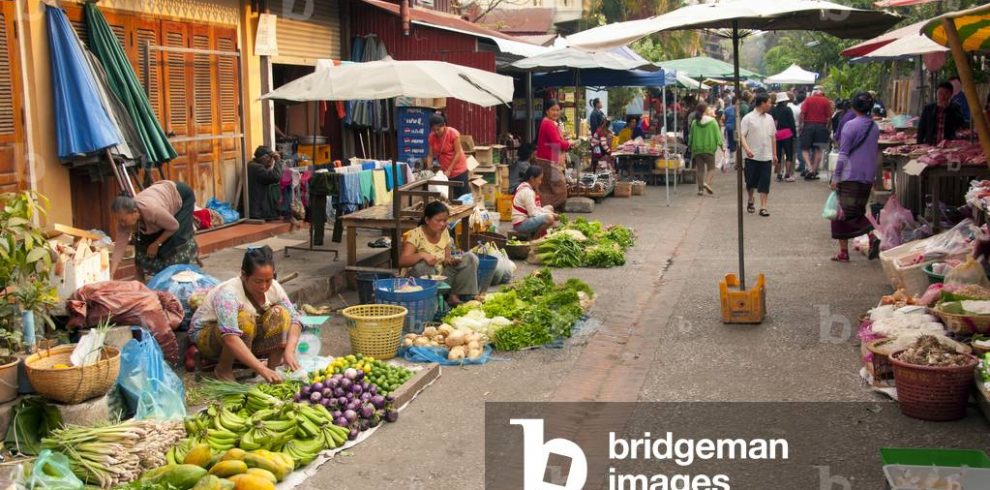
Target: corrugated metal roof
<point>526,20</point>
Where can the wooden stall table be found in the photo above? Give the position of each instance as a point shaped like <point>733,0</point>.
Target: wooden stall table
<point>381,218</point>
<point>626,165</point>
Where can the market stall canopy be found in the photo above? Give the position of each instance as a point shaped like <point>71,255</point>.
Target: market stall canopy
<point>581,59</point>
<point>901,3</point>
<point>792,15</point>
<point>705,67</point>
<point>973,26</point>
<point>687,82</point>
<point>605,78</point>
<point>390,78</point>
<point>83,125</point>
<point>793,75</point>
<point>905,48</point>
<point>866,47</point>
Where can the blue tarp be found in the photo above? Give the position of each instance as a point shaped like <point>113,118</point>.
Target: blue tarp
<point>605,78</point>
<point>82,123</point>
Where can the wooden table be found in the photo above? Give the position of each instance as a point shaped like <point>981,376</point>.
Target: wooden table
<point>630,160</point>
<point>381,218</point>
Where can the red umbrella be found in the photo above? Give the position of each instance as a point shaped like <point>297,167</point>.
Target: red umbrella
<point>866,47</point>
<point>901,3</point>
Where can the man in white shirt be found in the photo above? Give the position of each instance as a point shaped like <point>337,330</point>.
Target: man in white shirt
<point>759,143</point>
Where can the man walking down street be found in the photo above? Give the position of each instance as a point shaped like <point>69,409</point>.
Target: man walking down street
<point>816,112</point>
<point>759,143</point>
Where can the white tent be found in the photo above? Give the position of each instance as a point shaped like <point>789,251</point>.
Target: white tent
<point>793,75</point>
<point>390,78</point>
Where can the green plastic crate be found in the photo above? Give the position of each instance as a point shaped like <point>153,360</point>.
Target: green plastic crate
<point>935,457</point>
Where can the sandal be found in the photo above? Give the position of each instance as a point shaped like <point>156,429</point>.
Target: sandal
<point>764,213</point>
<point>841,257</point>
<point>751,207</point>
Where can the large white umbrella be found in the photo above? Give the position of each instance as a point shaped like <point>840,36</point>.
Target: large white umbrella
<point>906,47</point>
<point>389,78</point>
<point>582,59</point>
<point>793,75</point>
<point>739,16</point>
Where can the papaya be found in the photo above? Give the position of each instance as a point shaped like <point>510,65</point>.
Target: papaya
<point>278,457</point>
<point>180,476</point>
<point>245,481</point>
<point>226,484</point>
<point>263,473</point>
<point>234,454</point>
<point>200,455</point>
<point>275,466</point>
<point>224,469</point>
<point>208,482</point>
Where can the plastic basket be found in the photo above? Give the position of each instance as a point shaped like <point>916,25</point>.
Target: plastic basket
<point>421,305</point>
<point>486,271</point>
<point>933,393</point>
<point>74,384</point>
<point>911,278</point>
<point>366,285</point>
<point>375,330</point>
<point>933,278</point>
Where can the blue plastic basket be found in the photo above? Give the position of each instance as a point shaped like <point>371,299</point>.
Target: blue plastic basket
<point>486,271</point>
<point>422,305</point>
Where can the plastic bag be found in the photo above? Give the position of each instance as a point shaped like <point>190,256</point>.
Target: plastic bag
<point>441,189</point>
<point>89,347</point>
<point>227,212</point>
<point>969,273</point>
<point>152,389</point>
<point>439,356</point>
<point>53,471</point>
<point>832,210</point>
<point>183,281</point>
<point>893,217</point>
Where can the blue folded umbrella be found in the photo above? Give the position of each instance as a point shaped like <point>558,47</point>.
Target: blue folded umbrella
<point>82,123</point>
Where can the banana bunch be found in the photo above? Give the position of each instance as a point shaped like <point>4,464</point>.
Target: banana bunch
<point>256,400</point>
<point>229,421</point>
<point>316,421</point>
<point>303,451</point>
<point>234,403</point>
<point>220,440</point>
<point>177,454</point>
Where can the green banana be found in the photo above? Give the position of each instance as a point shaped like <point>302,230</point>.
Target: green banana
<point>170,456</point>
<point>307,428</point>
<point>281,425</point>
<point>230,421</point>
<point>248,442</point>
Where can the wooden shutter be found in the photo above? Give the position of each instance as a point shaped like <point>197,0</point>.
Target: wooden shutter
<point>178,103</point>
<point>302,38</point>
<point>12,148</point>
<point>147,33</point>
<point>204,92</point>
<point>229,102</point>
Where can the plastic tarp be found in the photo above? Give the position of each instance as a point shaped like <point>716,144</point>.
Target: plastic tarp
<point>605,78</point>
<point>83,124</point>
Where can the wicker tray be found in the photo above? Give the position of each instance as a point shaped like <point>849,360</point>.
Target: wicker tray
<point>964,324</point>
<point>75,384</point>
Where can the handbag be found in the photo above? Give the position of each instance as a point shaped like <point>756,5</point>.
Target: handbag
<point>784,134</point>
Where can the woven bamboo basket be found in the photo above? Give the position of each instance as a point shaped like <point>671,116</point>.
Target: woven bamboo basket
<point>75,384</point>
<point>964,324</point>
<point>375,330</point>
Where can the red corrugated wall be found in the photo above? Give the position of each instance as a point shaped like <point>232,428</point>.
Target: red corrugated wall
<point>425,43</point>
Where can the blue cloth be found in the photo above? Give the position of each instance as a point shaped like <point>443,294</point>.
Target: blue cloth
<point>82,123</point>
<point>960,99</point>
<point>367,185</point>
<point>368,166</point>
<point>390,180</point>
<point>350,192</point>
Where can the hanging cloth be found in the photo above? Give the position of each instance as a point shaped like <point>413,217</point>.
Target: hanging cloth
<point>382,195</point>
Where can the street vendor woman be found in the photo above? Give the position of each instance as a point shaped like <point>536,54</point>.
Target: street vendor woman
<point>529,216</point>
<point>445,146</point>
<point>248,318</point>
<point>550,145</point>
<point>428,250</point>
<point>161,220</point>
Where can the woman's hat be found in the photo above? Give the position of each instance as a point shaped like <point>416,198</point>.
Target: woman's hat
<point>783,97</point>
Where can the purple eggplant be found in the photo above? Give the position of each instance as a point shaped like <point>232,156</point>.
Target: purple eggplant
<point>357,390</point>
<point>298,398</point>
<point>315,396</point>
<point>316,387</point>
<point>365,397</point>
<point>350,373</point>
<point>341,421</point>
<point>364,425</point>
<point>343,401</point>
<point>353,405</point>
<point>391,415</point>
<point>373,389</point>
<point>336,414</point>
<point>389,398</point>
<point>359,376</point>
<point>350,415</point>
<point>339,392</point>
<point>333,382</point>
<point>353,434</point>
<point>345,383</point>
<point>378,401</point>
<point>367,411</point>
<point>327,392</point>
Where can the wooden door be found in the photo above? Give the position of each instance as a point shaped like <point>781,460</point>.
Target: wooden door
<point>228,111</point>
<point>177,72</point>
<point>12,148</point>
<point>204,153</point>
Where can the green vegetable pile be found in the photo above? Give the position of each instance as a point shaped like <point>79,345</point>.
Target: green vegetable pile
<point>541,310</point>
<point>602,247</point>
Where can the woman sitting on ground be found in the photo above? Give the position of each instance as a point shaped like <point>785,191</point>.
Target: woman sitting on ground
<point>427,250</point>
<point>529,216</point>
<point>248,318</point>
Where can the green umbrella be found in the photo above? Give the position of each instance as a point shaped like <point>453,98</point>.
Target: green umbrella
<point>124,84</point>
<point>705,67</point>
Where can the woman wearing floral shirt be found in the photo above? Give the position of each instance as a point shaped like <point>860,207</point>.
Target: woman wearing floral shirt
<point>248,318</point>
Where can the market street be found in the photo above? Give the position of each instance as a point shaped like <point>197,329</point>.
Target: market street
<point>661,337</point>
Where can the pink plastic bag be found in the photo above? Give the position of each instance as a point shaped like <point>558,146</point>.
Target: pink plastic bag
<point>893,217</point>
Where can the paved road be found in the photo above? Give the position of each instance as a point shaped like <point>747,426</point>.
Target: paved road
<point>660,338</point>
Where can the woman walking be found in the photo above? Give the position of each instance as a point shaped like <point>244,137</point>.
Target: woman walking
<point>854,176</point>
<point>704,139</point>
<point>786,131</point>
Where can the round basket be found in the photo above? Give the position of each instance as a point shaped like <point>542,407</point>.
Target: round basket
<point>75,384</point>
<point>933,278</point>
<point>883,371</point>
<point>518,252</point>
<point>375,330</point>
<point>933,393</point>
<point>964,324</point>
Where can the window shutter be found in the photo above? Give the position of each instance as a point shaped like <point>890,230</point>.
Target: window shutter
<point>147,34</point>
<point>13,174</point>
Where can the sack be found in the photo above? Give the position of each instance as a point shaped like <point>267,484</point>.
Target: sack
<point>183,281</point>
<point>151,388</point>
<point>969,273</point>
<point>227,211</point>
<point>439,355</point>
<point>784,134</point>
<point>52,471</point>
<point>832,210</point>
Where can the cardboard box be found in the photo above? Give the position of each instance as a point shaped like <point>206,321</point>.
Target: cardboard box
<point>477,189</point>
<point>467,143</point>
<point>502,179</point>
<point>484,155</point>
<point>498,154</point>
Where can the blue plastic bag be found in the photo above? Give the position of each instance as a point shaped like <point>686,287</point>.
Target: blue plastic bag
<point>52,471</point>
<point>439,356</point>
<point>151,388</point>
<point>832,211</point>
<point>227,212</point>
<point>191,280</point>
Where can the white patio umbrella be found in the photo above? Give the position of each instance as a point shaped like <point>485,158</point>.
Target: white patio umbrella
<point>390,78</point>
<point>583,59</point>
<point>793,75</point>
<point>735,17</point>
<point>906,47</point>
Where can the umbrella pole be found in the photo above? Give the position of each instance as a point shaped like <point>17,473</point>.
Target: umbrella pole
<point>966,76</point>
<point>530,137</point>
<point>739,162</point>
<point>316,129</point>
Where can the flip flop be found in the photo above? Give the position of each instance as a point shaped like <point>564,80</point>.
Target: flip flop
<point>751,208</point>
<point>764,213</point>
<point>840,257</point>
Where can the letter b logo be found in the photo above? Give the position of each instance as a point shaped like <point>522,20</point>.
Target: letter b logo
<point>536,455</point>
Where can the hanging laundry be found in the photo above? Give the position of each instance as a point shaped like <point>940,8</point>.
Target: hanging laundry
<point>382,194</point>
<point>367,186</point>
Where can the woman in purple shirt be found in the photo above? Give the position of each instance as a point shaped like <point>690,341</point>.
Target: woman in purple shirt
<point>854,175</point>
